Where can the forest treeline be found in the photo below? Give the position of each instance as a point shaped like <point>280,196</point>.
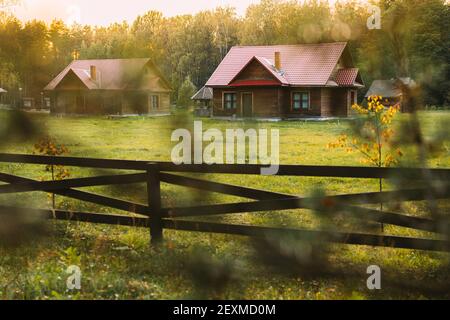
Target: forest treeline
<point>414,41</point>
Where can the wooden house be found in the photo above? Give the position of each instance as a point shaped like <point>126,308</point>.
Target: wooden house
<point>392,91</point>
<point>286,81</point>
<point>110,86</point>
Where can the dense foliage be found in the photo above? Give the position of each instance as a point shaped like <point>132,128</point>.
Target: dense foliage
<point>413,41</point>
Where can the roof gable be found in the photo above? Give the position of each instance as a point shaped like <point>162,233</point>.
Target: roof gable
<point>75,79</point>
<point>204,93</point>
<point>349,77</point>
<point>258,70</point>
<point>301,65</point>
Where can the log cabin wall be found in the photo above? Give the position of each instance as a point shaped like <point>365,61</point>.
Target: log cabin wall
<point>164,100</point>
<point>108,102</point>
<point>134,103</point>
<point>340,102</point>
<point>266,101</point>
<point>277,102</point>
<point>86,102</point>
<point>326,102</point>
<point>315,104</point>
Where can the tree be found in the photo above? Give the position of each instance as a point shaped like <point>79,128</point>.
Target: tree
<point>372,134</point>
<point>187,90</point>
<point>49,147</point>
<point>413,41</point>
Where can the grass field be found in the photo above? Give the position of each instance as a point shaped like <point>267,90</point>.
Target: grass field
<point>117,263</point>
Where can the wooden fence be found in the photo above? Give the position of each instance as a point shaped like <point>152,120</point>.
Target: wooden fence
<point>157,218</point>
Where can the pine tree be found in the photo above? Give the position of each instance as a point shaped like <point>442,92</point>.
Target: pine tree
<point>187,90</point>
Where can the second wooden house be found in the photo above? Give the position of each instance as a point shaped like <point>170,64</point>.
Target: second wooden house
<point>110,86</point>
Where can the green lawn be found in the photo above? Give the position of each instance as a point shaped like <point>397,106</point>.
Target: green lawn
<point>117,263</point>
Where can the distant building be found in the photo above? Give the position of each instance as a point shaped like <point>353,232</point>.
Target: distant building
<point>110,86</point>
<point>203,98</point>
<point>204,95</point>
<point>286,81</point>
<point>392,91</point>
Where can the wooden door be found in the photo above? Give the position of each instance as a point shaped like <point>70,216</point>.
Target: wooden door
<point>247,105</point>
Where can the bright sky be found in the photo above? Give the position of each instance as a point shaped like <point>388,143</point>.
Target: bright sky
<point>104,12</point>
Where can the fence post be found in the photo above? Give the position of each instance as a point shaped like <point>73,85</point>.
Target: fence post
<point>154,203</point>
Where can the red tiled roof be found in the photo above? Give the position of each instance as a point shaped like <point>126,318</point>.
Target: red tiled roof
<point>302,65</point>
<point>346,77</point>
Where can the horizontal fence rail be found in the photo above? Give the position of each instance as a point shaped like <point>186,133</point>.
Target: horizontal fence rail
<point>245,230</point>
<point>85,196</point>
<point>301,203</point>
<point>73,183</point>
<point>246,169</point>
<point>157,218</point>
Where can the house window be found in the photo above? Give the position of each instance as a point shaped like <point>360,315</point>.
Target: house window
<point>154,100</point>
<point>47,102</point>
<point>230,100</point>
<point>300,100</point>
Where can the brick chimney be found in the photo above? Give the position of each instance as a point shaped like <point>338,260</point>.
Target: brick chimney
<point>278,60</point>
<point>93,73</point>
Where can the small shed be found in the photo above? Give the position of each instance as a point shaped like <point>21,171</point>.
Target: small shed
<point>391,90</point>
<point>203,99</point>
<point>204,95</point>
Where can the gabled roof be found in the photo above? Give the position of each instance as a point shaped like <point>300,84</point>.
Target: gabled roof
<point>389,88</point>
<point>85,77</point>
<point>269,66</point>
<point>348,77</point>
<point>203,94</point>
<point>112,74</point>
<point>301,65</point>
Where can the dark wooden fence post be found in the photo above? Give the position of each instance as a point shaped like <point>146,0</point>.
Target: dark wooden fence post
<point>154,203</point>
